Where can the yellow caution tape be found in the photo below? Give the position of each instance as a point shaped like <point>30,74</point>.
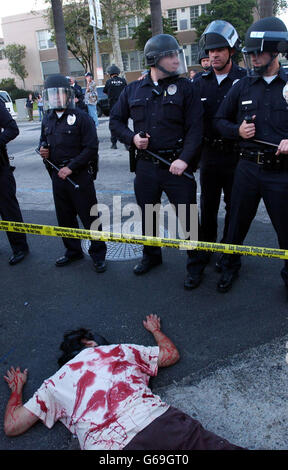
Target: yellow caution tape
<point>65,232</point>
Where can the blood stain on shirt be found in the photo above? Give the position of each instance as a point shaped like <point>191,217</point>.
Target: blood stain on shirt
<point>42,404</point>
<point>85,381</point>
<point>76,365</point>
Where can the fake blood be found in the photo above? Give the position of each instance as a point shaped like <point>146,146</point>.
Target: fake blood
<point>76,365</point>
<point>85,381</point>
<point>96,401</point>
<point>42,404</point>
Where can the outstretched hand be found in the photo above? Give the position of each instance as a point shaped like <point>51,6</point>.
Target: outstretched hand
<point>152,323</point>
<point>16,379</point>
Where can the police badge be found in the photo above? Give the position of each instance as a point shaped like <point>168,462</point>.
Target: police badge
<point>71,118</point>
<point>285,92</point>
<point>171,90</point>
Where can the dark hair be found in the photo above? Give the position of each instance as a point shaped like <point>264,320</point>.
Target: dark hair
<point>73,345</point>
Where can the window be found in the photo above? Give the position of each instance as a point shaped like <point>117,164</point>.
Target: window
<point>183,24</point>
<point>196,11</point>
<point>132,60</point>
<point>127,26</point>
<point>194,53</point>
<point>172,16</point>
<point>51,66</point>
<point>105,58</point>
<point>44,39</point>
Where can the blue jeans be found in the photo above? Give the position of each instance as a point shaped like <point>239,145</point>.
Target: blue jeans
<point>40,109</point>
<point>92,111</point>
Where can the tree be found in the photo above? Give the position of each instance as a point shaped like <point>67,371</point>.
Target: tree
<point>79,33</point>
<point>114,12</point>
<point>271,7</point>
<point>236,12</point>
<point>143,32</point>
<point>15,53</point>
<point>156,17</point>
<point>60,37</point>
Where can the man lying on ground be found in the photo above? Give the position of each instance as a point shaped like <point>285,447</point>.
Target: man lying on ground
<point>101,394</point>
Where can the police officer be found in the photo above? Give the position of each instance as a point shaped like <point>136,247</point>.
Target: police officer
<point>255,109</point>
<point>218,159</point>
<point>113,88</point>
<point>78,94</point>
<point>69,140</point>
<point>204,59</point>
<point>9,206</point>
<point>164,107</point>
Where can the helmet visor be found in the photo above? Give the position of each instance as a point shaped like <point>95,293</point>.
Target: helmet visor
<point>172,63</point>
<point>58,98</point>
<point>223,29</point>
<point>257,62</point>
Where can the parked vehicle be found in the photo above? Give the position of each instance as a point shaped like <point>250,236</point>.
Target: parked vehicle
<point>5,97</point>
<point>102,102</point>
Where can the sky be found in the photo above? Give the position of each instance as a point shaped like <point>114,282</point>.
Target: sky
<point>24,6</point>
<point>14,7</point>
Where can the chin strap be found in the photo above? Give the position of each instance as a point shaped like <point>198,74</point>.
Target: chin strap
<point>263,68</point>
<point>170,74</point>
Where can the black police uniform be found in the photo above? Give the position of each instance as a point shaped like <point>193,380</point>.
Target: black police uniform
<point>73,143</point>
<point>113,88</point>
<point>218,156</point>
<point>171,113</point>
<point>259,173</point>
<point>80,96</point>
<point>9,206</point>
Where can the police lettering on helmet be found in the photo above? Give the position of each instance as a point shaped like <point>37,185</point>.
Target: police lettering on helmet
<point>58,94</point>
<point>264,40</point>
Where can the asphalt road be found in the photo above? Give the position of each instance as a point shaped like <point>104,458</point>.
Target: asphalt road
<point>232,375</point>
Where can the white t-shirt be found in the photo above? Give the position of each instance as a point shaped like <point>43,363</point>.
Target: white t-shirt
<point>220,78</point>
<point>102,395</point>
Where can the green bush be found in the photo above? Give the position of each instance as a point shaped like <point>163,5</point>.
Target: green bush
<point>9,85</point>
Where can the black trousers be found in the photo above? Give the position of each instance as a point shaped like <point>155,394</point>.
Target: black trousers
<point>70,203</point>
<point>113,137</point>
<point>150,182</point>
<point>175,430</point>
<point>9,208</point>
<point>215,178</point>
<point>251,183</point>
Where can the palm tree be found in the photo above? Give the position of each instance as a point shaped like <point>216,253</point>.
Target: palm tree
<point>156,17</point>
<point>265,8</point>
<point>60,37</point>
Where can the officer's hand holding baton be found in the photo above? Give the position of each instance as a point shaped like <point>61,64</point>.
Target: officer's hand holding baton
<point>141,140</point>
<point>63,172</point>
<point>247,129</point>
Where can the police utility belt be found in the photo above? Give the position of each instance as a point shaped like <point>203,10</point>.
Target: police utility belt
<point>266,159</point>
<point>168,154</point>
<point>220,144</point>
<point>92,167</point>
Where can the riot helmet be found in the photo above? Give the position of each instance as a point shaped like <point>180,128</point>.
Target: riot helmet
<point>204,55</point>
<point>57,93</point>
<point>219,34</point>
<point>161,46</point>
<point>265,35</point>
<point>113,70</point>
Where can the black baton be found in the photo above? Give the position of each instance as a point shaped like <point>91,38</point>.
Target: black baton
<point>143,134</point>
<point>76,186</point>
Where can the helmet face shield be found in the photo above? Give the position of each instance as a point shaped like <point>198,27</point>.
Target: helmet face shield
<point>257,62</point>
<point>172,62</point>
<point>58,98</point>
<point>220,34</point>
